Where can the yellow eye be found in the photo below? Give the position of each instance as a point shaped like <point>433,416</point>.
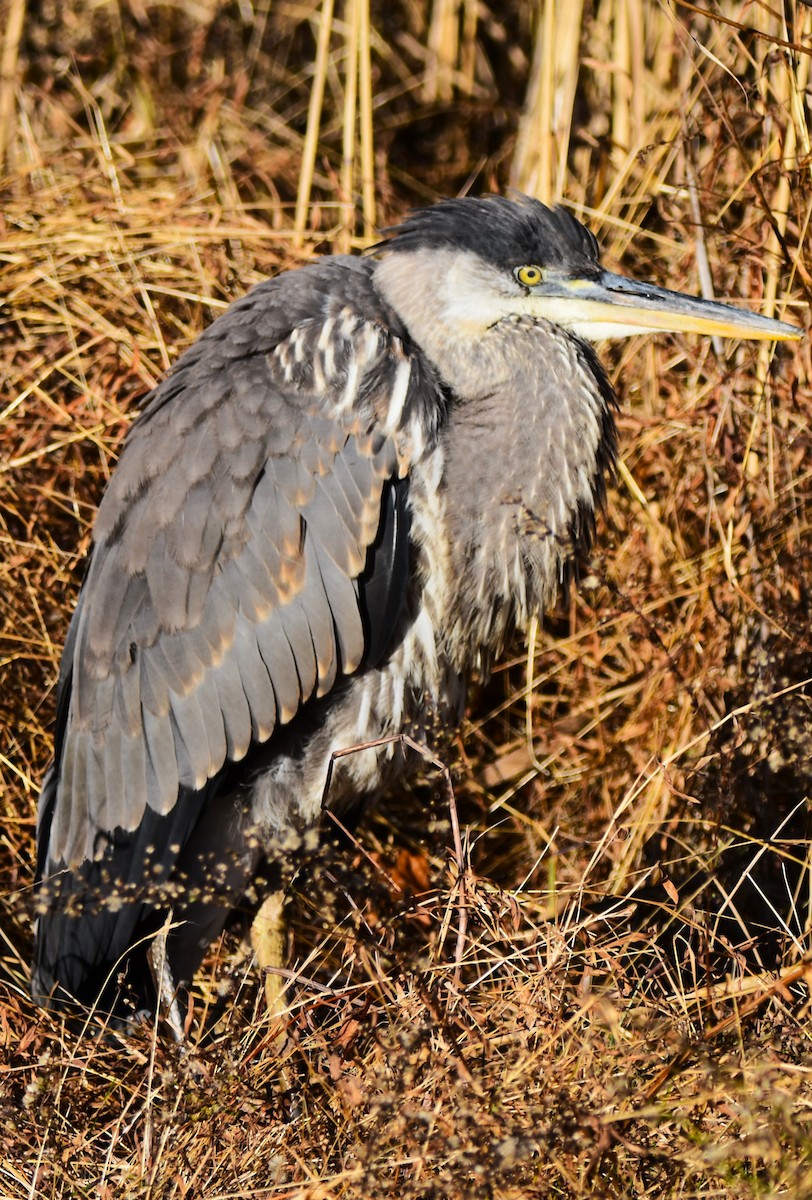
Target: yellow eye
<point>529,276</point>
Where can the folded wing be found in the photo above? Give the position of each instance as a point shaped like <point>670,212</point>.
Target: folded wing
<point>251,549</point>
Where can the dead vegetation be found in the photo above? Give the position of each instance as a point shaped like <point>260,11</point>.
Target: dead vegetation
<point>628,1012</point>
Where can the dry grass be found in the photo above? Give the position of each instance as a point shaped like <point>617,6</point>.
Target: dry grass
<point>630,1013</point>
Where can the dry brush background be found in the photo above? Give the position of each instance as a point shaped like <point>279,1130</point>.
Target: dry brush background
<point>630,1015</point>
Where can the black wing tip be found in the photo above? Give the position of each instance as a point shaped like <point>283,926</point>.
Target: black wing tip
<point>383,586</point>
<point>112,994</point>
<point>75,967</point>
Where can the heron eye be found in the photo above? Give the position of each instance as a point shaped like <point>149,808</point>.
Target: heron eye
<point>529,276</point>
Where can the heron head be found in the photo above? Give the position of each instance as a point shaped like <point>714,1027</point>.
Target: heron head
<point>470,263</point>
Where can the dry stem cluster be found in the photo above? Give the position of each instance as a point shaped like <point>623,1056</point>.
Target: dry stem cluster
<point>627,1012</point>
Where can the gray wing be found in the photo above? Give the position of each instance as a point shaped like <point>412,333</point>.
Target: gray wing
<point>224,589</point>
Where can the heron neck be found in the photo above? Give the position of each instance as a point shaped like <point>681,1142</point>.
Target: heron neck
<point>524,469</point>
<point>446,300</point>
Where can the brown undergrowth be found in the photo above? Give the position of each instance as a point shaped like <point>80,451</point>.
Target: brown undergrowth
<point>627,1012</point>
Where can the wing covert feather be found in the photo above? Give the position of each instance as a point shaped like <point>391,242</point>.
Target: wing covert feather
<point>115,784</point>
<point>163,764</point>
<point>233,705</point>
<point>255,681</point>
<point>196,742</point>
<point>342,600</point>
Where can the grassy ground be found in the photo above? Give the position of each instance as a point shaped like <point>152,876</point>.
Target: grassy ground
<point>628,1013</point>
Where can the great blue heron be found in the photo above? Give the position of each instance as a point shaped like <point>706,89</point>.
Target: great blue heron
<point>342,500</point>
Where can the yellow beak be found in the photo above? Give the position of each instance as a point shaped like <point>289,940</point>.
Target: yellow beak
<point>613,306</point>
